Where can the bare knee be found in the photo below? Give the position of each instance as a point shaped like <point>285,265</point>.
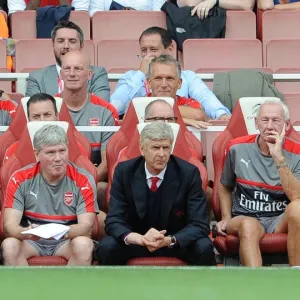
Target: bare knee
<point>250,229</point>
<point>293,212</point>
<point>11,248</point>
<point>82,247</point>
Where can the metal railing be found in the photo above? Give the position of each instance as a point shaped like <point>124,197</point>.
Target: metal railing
<point>20,78</point>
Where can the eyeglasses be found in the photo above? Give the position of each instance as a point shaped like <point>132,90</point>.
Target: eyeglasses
<point>165,119</point>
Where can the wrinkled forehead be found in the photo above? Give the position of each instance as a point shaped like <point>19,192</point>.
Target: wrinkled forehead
<point>271,110</point>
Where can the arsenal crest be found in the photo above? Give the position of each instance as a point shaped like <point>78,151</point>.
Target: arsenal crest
<point>94,122</point>
<point>68,198</point>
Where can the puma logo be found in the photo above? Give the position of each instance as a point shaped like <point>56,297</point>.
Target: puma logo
<point>85,188</point>
<point>15,180</point>
<point>33,194</point>
<point>245,162</point>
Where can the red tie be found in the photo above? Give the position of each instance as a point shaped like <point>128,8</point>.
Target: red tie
<point>153,184</point>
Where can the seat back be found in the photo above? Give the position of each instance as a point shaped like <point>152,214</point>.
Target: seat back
<point>241,123</point>
<point>240,24</point>
<point>44,56</point>
<point>221,53</point>
<point>27,28</point>
<point>129,24</point>
<point>279,25</point>
<point>2,54</point>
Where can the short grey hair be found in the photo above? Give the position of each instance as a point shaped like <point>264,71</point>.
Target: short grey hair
<point>49,135</point>
<point>148,109</point>
<point>166,60</point>
<point>156,131</point>
<point>286,112</point>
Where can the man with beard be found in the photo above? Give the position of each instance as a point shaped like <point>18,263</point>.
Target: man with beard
<point>66,37</point>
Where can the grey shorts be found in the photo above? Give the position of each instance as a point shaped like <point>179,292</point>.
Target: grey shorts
<point>46,247</point>
<point>270,223</point>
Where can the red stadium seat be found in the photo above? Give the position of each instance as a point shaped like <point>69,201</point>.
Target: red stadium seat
<point>282,56</point>
<point>4,85</point>
<point>16,97</point>
<point>27,57</point>
<point>240,126</point>
<point>279,25</point>
<point>293,103</point>
<point>121,25</point>
<point>207,54</point>
<point>240,24</point>
<point>13,133</point>
<point>27,28</point>
<point>156,261</point>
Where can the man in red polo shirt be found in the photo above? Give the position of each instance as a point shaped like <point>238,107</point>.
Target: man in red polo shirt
<point>164,79</point>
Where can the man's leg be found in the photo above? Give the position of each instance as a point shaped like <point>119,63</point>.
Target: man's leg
<point>78,251</point>
<point>16,252</point>
<point>249,231</point>
<point>101,218</point>
<point>290,223</point>
<point>200,253</point>
<point>101,195</point>
<point>111,252</point>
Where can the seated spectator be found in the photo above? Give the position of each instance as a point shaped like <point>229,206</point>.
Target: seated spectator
<point>202,7</point>
<point>148,5</point>
<point>260,189</point>
<point>46,183</point>
<point>88,110</point>
<point>66,37</point>
<point>40,107</point>
<point>154,42</point>
<point>17,5</point>
<point>7,109</point>
<point>278,4</point>
<point>139,217</point>
<point>164,79</point>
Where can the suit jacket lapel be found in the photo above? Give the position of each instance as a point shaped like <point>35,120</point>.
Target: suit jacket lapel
<point>51,80</point>
<point>170,187</point>
<point>139,189</point>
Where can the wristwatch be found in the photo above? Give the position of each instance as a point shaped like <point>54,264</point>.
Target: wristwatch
<point>173,241</point>
<point>282,165</point>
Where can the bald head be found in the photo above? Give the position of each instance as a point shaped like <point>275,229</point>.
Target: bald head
<point>159,109</point>
<point>75,70</point>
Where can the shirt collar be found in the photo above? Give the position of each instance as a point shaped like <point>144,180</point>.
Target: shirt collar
<point>58,68</point>
<point>160,175</point>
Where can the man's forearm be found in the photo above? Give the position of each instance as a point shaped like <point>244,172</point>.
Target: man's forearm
<point>290,184</point>
<point>64,2</point>
<point>102,171</point>
<point>15,232</point>
<point>225,197</point>
<point>192,113</point>
<point>237,4</point>
<point>33,4</point>
<point>79,230</point>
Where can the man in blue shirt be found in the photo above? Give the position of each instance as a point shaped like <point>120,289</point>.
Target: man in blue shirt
<point>155,41</point>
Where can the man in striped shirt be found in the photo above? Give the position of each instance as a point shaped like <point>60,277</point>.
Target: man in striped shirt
<point>53,190</point>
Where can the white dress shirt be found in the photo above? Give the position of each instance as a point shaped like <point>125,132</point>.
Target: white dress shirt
<point>16,5</point>
<point>160,176</point>
<point>148,5</point>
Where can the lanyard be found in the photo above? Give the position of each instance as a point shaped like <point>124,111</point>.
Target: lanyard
<point>60,85</point>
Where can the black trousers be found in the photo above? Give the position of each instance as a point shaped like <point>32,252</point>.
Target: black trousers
<point>112,252</point>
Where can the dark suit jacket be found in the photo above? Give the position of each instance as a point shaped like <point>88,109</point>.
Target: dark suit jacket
<point>184,208</point>
<point>45,81</point>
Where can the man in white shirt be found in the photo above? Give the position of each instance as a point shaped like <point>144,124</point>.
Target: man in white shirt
<point>19,5</point>
<point>66,36</point>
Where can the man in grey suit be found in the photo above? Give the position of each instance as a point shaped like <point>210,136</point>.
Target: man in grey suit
<point>66,36</point>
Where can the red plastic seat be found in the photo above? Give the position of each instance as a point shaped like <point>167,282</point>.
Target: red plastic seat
<point>19,160</point>
<point>228,246</point>
<point>156,261</point>
<point>28,59</point>
<point>201,54</point>
<point>27,28</point>
<point>240,24</point>
<point>120,25</point>
<point>16,97</point>
<point>279,25</point>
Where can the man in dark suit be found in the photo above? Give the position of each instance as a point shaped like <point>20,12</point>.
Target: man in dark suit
<point>157,206</point>
<point>66,37</point>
